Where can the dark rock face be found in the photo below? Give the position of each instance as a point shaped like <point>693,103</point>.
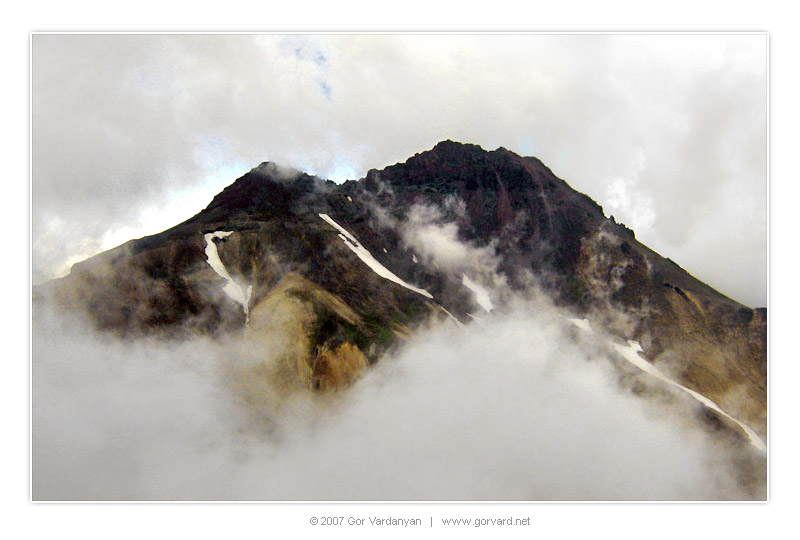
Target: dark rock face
<point>534,225</point>
<point>538,217</point>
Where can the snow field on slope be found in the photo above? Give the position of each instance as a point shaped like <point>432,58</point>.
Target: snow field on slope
<point>231,288</point>
<point>481,296</point>
<point>363,254</point>
<point>631,354</point>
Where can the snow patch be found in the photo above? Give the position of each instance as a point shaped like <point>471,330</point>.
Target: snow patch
<point>583,324</point>
<point>631,354</point>
<point>231,288</point>
<point>363,254</point>
<point>458,323</point>
<point>481,296</point>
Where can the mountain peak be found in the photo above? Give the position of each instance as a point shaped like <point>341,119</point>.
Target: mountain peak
<point>449,145</point>
<point>498,215</point>
<point>268,189</point>
<point>275,171</point>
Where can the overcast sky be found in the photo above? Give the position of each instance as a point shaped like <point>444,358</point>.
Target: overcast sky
<point>135,133</point>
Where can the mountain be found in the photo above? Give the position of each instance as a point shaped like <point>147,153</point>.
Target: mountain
<point>323,278</point>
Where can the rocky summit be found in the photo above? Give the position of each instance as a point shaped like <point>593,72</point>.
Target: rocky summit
<point>323,278</point>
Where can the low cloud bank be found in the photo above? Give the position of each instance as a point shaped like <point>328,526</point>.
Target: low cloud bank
<point>518,405</point>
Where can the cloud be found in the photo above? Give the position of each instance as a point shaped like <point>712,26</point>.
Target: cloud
<point>520,405</point>
<point>434,237</point>
<point>123,124</point>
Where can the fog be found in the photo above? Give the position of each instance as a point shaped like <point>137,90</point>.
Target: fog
<point>518,405</point>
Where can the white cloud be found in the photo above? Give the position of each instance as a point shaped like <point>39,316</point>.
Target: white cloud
<point>433,237</point>
<point>517,406</point>
<point>120,122</point>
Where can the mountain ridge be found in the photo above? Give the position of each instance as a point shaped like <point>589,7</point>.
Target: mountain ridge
<point>514,221</point>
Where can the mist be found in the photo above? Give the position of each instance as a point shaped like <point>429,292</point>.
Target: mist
<point>519,405</point>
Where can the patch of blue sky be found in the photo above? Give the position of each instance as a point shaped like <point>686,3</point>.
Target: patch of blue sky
<point>341,172</point>
<point>326,90</point>
<point>526,147</point>
<point>225,174</point>
<point>307,51</point>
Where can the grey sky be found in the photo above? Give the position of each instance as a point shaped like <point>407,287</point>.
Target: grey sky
<point>135,133</point>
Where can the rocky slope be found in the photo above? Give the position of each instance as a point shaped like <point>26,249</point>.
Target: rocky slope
<point>329,276</point>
